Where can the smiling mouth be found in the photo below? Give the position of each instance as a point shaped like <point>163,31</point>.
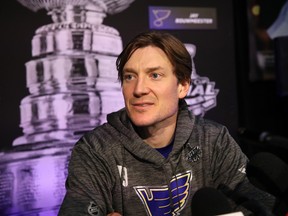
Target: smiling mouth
<point>142,105</point>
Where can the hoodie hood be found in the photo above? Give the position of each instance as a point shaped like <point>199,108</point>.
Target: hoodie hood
<point>136,146</point>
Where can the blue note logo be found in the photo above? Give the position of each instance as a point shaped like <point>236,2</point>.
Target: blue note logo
<point>160,16</point>
<point>165,17</point>
<point>166,200</point>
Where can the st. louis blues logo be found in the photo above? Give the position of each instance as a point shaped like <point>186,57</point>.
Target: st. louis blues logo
<point>166,200</point>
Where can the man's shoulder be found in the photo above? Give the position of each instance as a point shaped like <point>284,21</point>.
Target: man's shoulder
<point>102,137</point>
<point>207,123</point>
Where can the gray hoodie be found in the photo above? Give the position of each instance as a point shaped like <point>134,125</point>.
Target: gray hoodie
<point>112,169</point>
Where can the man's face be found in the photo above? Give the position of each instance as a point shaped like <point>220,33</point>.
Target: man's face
<point>150,88</point>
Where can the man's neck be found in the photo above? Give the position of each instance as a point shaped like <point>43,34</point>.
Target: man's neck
<point>157,136</point>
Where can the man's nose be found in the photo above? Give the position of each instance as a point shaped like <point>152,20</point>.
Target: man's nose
<point>141,87</point>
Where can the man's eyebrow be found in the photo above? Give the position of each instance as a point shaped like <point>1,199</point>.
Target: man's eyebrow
<point>151,69</point>
<point>128,70</point>
<point>147,70</point>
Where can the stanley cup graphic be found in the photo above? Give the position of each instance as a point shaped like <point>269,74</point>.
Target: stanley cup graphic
<point>72,81</point>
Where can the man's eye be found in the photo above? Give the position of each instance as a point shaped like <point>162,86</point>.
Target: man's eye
<point>155,75</point>
<point>128,77</point>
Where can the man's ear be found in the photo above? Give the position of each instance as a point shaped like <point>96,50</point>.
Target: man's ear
<point>183,89</point>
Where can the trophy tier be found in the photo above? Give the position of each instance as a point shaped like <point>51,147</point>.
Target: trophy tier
<point>79,73</point>
<point>73,38</point>
<point>107,6</point>
<point>57,115</point>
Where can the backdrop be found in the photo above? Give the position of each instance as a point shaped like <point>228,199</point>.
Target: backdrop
<point>35,95</point>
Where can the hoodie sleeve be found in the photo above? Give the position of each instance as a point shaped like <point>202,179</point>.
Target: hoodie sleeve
<point>228,161</point>
<point>89,183</point>
<point>229,164</point>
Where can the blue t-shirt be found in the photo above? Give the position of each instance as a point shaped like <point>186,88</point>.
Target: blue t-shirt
<point>165,151</point>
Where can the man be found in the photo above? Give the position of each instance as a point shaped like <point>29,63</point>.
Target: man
<point>153,155</point>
